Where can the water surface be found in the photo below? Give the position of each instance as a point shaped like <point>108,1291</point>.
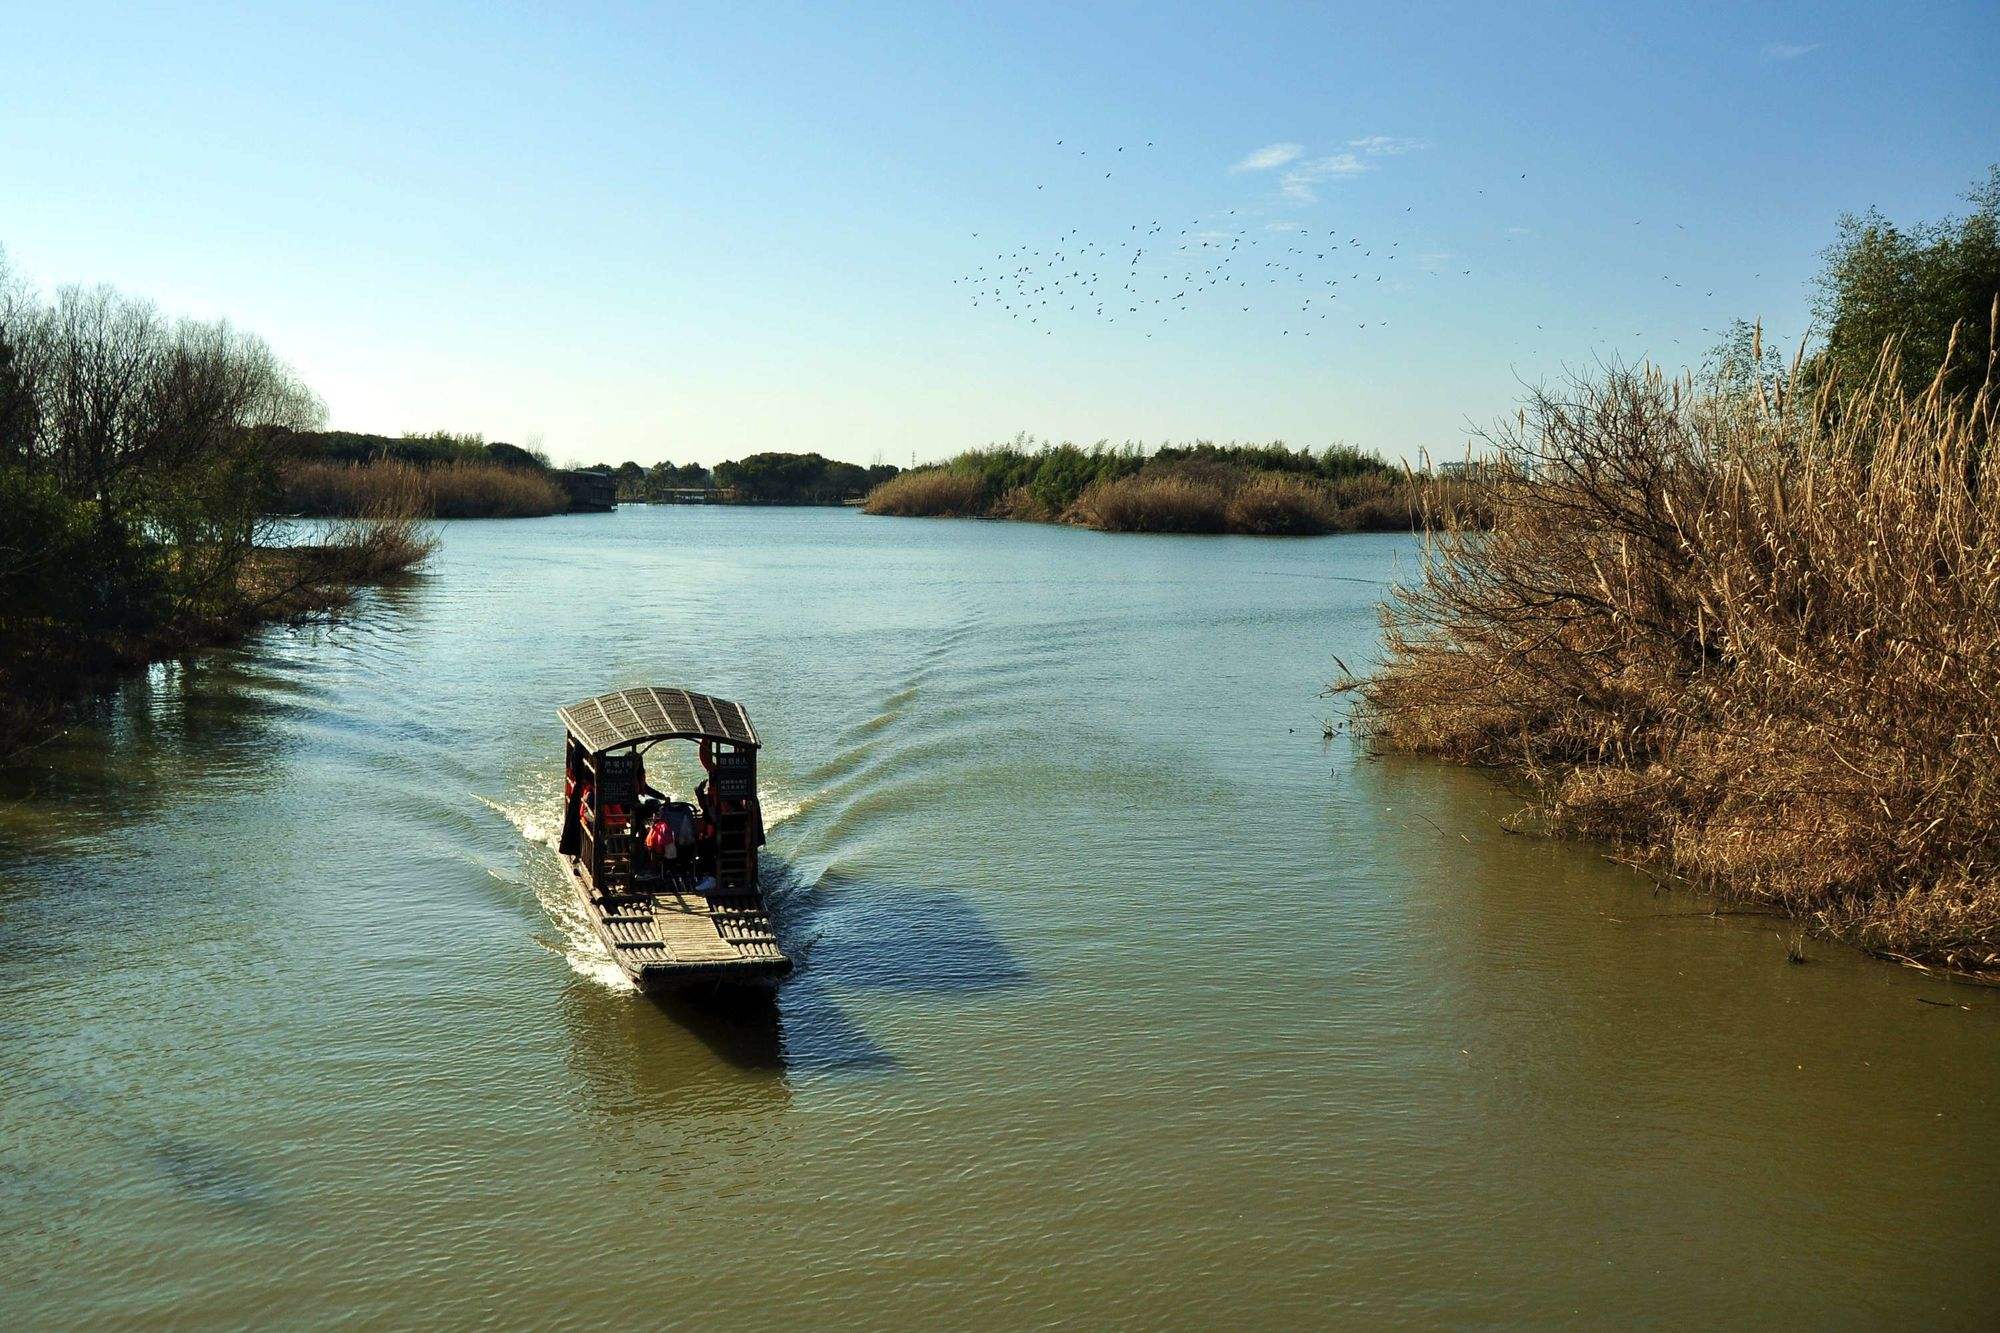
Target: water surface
<point>1125,997</point>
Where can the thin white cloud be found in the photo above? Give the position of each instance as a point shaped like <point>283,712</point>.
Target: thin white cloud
<point>1299,184</point>
<point>1385,145</point>
<point>1269,156</point>
<point>1789,50</point>
<point>1281,226</point>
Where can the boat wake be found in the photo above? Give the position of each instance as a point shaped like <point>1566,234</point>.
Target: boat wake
<point>540,823</point>
<point>536,821</point>
<point>579,945</point>
<point>779,807</point>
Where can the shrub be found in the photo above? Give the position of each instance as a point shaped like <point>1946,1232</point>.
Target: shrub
<point>1749,638</point>
<point>387,537</point>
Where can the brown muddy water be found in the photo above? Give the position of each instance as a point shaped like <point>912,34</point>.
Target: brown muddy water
<point>1125,1000</point>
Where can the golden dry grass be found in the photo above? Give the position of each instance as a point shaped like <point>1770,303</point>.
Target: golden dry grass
<point>459,489</point>
<point>1154,502</point>
<point>930,492</point>
<point>1279,504</point>
<point>1753,639</point>
<point>391,536</point>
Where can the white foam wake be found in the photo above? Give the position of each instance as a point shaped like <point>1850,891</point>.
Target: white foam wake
<point>779,808</point>
<point>537,821</point>
<point>540,822</point>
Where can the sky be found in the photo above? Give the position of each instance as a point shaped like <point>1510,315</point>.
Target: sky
<point>657,232</point>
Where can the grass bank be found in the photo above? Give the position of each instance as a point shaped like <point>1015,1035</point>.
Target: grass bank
<point>1266,490</point>
<point>1750,636</point>
<point>457,488</point>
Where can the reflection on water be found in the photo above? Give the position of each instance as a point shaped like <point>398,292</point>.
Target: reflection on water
<point>1118,989</point>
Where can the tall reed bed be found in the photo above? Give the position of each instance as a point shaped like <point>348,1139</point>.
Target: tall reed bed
<point>1192,490</point>
<point>457,489</point>
<point>1751,637</point>
<point>1155,502</point>
<point>929,493</point>
<point>391,536</point>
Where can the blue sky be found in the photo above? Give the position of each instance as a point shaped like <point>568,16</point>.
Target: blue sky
<point>650,232</point>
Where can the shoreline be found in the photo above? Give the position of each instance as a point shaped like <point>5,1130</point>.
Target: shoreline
<point>1410,528</point>
<point>277,586</point>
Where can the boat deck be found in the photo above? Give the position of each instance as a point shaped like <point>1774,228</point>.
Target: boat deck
<point>676,933</point>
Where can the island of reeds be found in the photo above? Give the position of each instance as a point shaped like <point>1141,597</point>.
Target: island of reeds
<point>1745,625</point>
<point>1265,490</point>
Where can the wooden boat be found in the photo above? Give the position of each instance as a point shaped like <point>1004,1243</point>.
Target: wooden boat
<point>689,914</point>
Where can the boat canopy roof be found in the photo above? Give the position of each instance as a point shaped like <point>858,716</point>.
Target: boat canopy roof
<point>652,713</point>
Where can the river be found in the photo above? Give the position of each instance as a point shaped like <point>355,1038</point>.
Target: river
<point>1126,998</point>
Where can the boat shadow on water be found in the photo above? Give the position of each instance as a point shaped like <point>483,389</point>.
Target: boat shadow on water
<point>849,933</point>
<point>739,1024</point>
<point>794,1027</point>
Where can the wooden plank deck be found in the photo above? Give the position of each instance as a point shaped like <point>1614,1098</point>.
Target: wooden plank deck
<point>676,928</point>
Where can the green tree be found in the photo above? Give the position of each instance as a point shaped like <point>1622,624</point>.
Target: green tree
<point>631,480</point>
<point>797,479</point>
<point>1911,287</point>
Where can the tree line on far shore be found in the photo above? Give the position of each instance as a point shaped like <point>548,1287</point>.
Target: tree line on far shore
<point>771,478</point>
<point>336,472</point>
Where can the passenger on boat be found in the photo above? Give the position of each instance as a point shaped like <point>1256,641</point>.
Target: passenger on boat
<point>704,795</point>
<point>661,842</point>
<point>679,817</point>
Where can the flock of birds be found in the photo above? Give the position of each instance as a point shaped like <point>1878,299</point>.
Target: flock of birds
<point>1302,280</point>
<point>1155,275</point>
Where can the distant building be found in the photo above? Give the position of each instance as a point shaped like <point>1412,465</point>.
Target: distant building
<point>1470,469</point>
<point>590,491</point>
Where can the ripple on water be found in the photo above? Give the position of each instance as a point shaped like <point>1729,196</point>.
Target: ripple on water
<point>1107,985</point>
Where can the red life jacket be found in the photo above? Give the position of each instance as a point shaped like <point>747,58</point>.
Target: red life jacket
<point>659,837</point>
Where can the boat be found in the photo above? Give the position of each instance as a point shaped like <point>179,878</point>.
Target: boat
<point>669,885</point>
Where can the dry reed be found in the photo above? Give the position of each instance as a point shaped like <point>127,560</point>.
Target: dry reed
<point>458,489</point>
<point>932,492</point>
<point>391,536</point>
<point>1279,504</point>
<point>1752,638</point>
<point>1154,502</point>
